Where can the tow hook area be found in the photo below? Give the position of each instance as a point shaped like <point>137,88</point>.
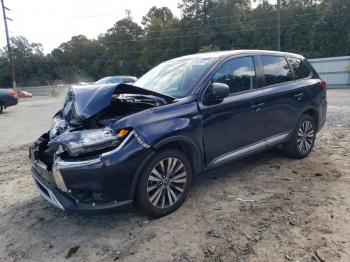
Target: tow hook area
<point>46,193</point>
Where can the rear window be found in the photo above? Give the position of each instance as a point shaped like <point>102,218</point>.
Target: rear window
<point>299,67</point>
<point>276,69</point>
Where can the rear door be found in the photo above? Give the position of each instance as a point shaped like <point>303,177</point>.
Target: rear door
<point>285,97</point>
<point>234,126</point>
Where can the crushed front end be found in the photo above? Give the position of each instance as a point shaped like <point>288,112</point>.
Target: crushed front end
<point>82,163</point>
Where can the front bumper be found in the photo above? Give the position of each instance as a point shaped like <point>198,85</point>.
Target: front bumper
<point>66,201</point>
<point>110,174</point>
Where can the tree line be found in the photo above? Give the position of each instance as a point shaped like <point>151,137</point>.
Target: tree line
<point>314,28</point>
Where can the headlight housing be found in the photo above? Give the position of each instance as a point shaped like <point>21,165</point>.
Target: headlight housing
<point>58,126</point>
<point>81,142</point>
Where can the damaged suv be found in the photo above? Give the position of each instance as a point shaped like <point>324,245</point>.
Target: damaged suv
<point>112,145</point>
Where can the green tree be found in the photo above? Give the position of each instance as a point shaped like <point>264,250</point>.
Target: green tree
<point>31,65</point>
<point>158,43</point>
<point>208,48</point>
<point>163,14</point>
<point>331,31</point>
<point>121,48</point>
<point>315,28</point>
<point>76,60</point>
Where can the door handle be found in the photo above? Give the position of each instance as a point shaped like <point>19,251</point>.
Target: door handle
<point>299,96</point>
<point>257,107</point>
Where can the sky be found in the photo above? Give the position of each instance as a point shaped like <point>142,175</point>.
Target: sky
<point>51,22</point>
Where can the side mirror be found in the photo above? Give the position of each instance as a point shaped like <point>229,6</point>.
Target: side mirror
<point>219,90</point>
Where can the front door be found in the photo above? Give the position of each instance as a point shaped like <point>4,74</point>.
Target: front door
<point>234,126</point>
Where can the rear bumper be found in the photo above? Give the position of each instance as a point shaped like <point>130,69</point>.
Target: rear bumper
<point>10,101</point>
<point>322,112</point>
<point>66,201</point>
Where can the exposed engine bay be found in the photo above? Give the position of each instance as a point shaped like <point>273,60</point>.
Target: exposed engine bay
<point>83,126</point>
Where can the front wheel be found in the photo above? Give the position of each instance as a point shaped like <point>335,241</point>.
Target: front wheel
<point>164,183</point>
<point>302,139</point>
<point>1,107</point>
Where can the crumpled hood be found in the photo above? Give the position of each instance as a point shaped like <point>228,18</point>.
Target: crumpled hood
<point>83,102</point>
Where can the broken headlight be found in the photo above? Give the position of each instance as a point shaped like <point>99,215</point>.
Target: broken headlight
<point>58,126</point>
<point>81,142</point>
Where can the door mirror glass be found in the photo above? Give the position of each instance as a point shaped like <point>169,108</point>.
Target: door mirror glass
<point>219,90</point>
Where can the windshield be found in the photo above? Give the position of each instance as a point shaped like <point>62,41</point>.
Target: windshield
<point>109,80</point>
<point>175,78</point>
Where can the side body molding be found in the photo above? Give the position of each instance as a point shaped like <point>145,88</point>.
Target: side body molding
<point>248,150</point>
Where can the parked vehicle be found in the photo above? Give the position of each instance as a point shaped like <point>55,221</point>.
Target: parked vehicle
<point>24,94</point>
<point>117,80</point>
<point>114,145</point>
<point>7,98</point>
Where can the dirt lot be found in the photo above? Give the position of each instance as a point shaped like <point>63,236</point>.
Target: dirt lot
<point>264,208</point>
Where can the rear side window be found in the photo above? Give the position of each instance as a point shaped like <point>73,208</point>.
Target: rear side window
<point>238,74</point>
<point>299,67</point>
<point>276,69</point>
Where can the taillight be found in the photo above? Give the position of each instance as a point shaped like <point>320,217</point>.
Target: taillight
<point>12,93</point>
<point>323,85</point>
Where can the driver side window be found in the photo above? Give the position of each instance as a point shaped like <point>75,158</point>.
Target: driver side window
<point>239,74</point>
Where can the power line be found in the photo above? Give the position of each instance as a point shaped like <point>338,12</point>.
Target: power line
<point>213,25</point>
<point>221,24</point>
<point>183,21</point>
<point>239,45</point>
<point>207,34</point>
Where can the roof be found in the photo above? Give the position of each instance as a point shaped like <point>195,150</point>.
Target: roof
<point>223,54</point>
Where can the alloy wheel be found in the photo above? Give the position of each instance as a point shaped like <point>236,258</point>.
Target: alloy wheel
<point>166,182</point>
<point>306,136</point>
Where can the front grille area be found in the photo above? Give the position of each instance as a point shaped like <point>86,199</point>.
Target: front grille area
<point>42,171</point>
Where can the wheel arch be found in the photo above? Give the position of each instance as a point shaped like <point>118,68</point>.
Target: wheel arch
<point>188,147</point>
<point>311,111</point>
<point>185,144</point>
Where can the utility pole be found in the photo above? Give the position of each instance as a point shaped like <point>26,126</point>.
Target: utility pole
<point>4,8</point>
<point>279,25</point>
<point>128,13</point>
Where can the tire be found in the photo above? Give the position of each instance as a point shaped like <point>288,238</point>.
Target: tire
<point>160,192</point>
<point>1,107</point>
<point>302,139</point>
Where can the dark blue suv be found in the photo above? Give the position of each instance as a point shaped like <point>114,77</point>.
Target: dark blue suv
<point>112,145</point>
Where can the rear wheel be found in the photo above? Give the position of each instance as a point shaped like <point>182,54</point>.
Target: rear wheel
<point>164,184</point>
<point>1,107</point>
<point>303,138</point>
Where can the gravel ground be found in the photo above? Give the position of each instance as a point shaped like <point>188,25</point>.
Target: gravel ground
<point>263,208</point>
